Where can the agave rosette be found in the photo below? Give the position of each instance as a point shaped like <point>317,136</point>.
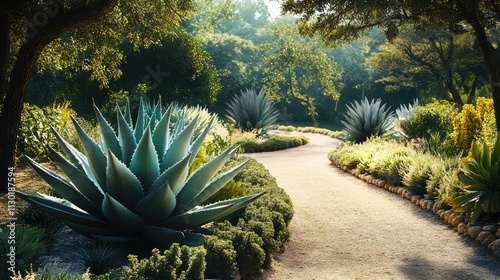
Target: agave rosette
<point>135,184</point>
<point>252,111</point>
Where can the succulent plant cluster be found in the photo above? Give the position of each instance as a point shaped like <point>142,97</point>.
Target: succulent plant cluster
<point>135,184</point>
<point>252,111</point>
<point>480,177</point>
<point>368,118</point>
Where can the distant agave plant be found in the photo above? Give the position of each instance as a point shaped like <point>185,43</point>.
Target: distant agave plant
<point>250,111</point>
<point>404,114</point>
<point>366,119</point>
<point>188,113</point>
<point>135,184</point>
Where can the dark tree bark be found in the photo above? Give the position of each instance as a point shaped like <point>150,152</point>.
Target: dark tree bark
<point>27,57</point>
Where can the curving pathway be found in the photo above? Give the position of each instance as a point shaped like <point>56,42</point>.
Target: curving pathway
<point>344,228</point>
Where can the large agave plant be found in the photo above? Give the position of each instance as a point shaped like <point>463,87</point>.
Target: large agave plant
<point>366,119</point>
<point>250,111</point>
<point>135,184</point>
<point>480,177</point>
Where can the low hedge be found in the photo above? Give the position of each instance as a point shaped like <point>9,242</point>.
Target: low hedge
<point>399,163</point>
<point>272,142</point>
<point>317,130</point>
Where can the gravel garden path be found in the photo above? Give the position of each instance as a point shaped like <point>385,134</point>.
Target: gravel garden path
<point>344,228</point>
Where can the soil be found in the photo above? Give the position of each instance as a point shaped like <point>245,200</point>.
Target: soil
<point>344,228</point>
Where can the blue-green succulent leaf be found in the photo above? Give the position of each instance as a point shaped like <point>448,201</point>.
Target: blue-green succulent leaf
<point>144,162</point>
<point>94,154</point>
<point>122,183</point>
<point>162,201</point>
<point>128,114</point>
<point>142,120</point>
<point>179,147</point>
<point>216,184</point>
<point>161,134</point>
<point>196,217</point>
<point>86,186</point>
<point>120,215</point>
<point>166,237</point>
<point>200,178</point>
<point>175,176</point>
<point>126,139</point>
<point>61,211</point>
<point>108,135</point>
<point>197,144</point>
<point>65,189</point>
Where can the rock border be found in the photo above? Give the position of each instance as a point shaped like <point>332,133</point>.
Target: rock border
<point>487,235</point>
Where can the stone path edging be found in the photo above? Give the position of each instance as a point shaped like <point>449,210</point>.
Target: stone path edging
<point>487,235</point>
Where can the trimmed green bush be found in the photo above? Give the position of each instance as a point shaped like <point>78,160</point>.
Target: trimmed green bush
<point>417,173</point>
<point>174,264</point>
<point>431,118</point>
<point>273,142</point>
<point>312,129</point>
<point>221,258</point>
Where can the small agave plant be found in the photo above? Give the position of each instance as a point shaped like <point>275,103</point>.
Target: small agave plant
<point>252,111</point>
<point>135,184</point>
<point>366,119</point>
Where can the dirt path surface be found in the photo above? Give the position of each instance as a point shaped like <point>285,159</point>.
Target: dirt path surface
<point>344,228</point>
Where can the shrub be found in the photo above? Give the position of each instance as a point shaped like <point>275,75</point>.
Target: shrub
<point>221,258</point>
<point>250,255</point>
<point>366,119</point>
<point>416,174</point>
<point>449,189</point>
<point>442,168</point>
<point>484,108</point>
<point>174,264</point>
<point>98,257</point>
<point>404,115</point>
<point>34,131</point>
<point>29,246</point>
<point>51,272</point>
<point>273,142</point>
<point>252,111</point>
<point>467,127</point>
<point>431,118</point>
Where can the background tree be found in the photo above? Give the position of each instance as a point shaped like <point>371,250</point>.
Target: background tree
<point>343,21</point>
<point>61,32</point>
<point>436,58</point>
<point>298,68</point>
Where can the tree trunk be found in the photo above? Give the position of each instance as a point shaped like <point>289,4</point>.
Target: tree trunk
<point>4,50</point>
<point>490,56</point>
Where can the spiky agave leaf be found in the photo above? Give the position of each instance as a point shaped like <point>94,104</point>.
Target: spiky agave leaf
<point>252,111</point>
<point>134,183</point>
<point>368,118</point>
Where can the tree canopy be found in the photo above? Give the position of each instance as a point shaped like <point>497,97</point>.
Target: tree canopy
<point>338,21</point>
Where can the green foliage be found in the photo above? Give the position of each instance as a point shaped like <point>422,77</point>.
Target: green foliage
<point>365,119</point>
<point>404,115</point>
<point>135,185</point>
<point>480,176</point>
<point>51,272</point>
<point>298,69</point>
<point>29,246</point>
<point>417,173</point>
<point>311,129</point>
<point>442,183</point>
<point>98,257</point>
<point>449,188</point>
<point>467,127</point>
<point>177,263</point>
<point>431,118</point>
<point>273,142</point>
<point>34,131</point>
<point>250,255</point>
<point>221,258</point>
<point>35,217</point>
<point>484,107</point>
<point>252,111</point>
